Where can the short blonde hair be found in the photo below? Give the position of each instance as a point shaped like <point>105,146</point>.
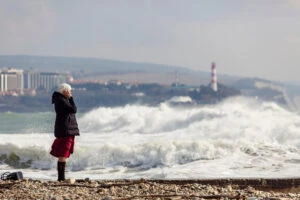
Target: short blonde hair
<point>64,87</point>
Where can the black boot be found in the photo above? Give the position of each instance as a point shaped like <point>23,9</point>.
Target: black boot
<point>61,170</point>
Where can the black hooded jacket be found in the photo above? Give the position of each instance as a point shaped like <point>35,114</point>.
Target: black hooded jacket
<point>65,122</point>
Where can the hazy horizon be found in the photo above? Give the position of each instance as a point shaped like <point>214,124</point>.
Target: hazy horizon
<point>245,38</point>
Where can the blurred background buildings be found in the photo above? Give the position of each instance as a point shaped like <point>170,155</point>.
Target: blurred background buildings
<point>18,81</point>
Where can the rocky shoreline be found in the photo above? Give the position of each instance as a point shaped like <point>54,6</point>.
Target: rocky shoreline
<point>242,189</point>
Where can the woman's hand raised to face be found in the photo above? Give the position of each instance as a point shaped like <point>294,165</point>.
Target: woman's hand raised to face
<point>67,94</point>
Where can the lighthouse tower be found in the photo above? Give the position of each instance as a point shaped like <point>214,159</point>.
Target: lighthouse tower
<point>214,85</point>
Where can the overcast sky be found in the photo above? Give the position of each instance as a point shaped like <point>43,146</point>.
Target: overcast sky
<point>255,38</point>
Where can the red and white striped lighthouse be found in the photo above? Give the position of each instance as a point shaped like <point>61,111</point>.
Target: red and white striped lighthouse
<point>214,83</point>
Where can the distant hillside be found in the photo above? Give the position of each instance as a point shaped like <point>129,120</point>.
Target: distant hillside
<point>53,63</point>
<point>105,69</point>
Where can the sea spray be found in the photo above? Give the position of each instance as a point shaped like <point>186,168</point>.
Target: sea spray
<point>235,138</point>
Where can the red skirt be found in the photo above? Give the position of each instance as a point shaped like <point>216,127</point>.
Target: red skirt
<point>63,147</point>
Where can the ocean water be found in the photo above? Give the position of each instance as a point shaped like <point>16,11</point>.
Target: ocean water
<point>237,138</point>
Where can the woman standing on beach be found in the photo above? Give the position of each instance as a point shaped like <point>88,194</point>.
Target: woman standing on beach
<point>66,127</point>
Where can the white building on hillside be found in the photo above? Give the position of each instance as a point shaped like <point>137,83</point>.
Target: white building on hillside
<point>11,80</point>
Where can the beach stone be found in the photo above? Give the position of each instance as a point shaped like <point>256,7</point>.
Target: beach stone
<point>112,190</point>
<point>71,180</point>
<point>292,195</point>
<point>254,198</point>
<point>131,188</point>
<point>56,198</point>
<point>229,188</point>
<point>216,192</point>
<point>107,198</point>
<point>250,189</point>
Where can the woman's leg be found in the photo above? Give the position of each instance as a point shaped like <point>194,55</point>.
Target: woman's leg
<point>62,159</point>
<point>61,165</point>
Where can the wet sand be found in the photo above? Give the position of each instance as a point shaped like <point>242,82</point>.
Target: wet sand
<point>250,189</point>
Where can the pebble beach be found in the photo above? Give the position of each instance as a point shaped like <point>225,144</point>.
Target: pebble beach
<point>244,189</point>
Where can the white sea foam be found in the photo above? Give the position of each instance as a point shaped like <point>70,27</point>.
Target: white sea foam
<point>235,138</point>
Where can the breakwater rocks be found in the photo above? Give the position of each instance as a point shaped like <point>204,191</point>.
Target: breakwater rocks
<point>243,189</point>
